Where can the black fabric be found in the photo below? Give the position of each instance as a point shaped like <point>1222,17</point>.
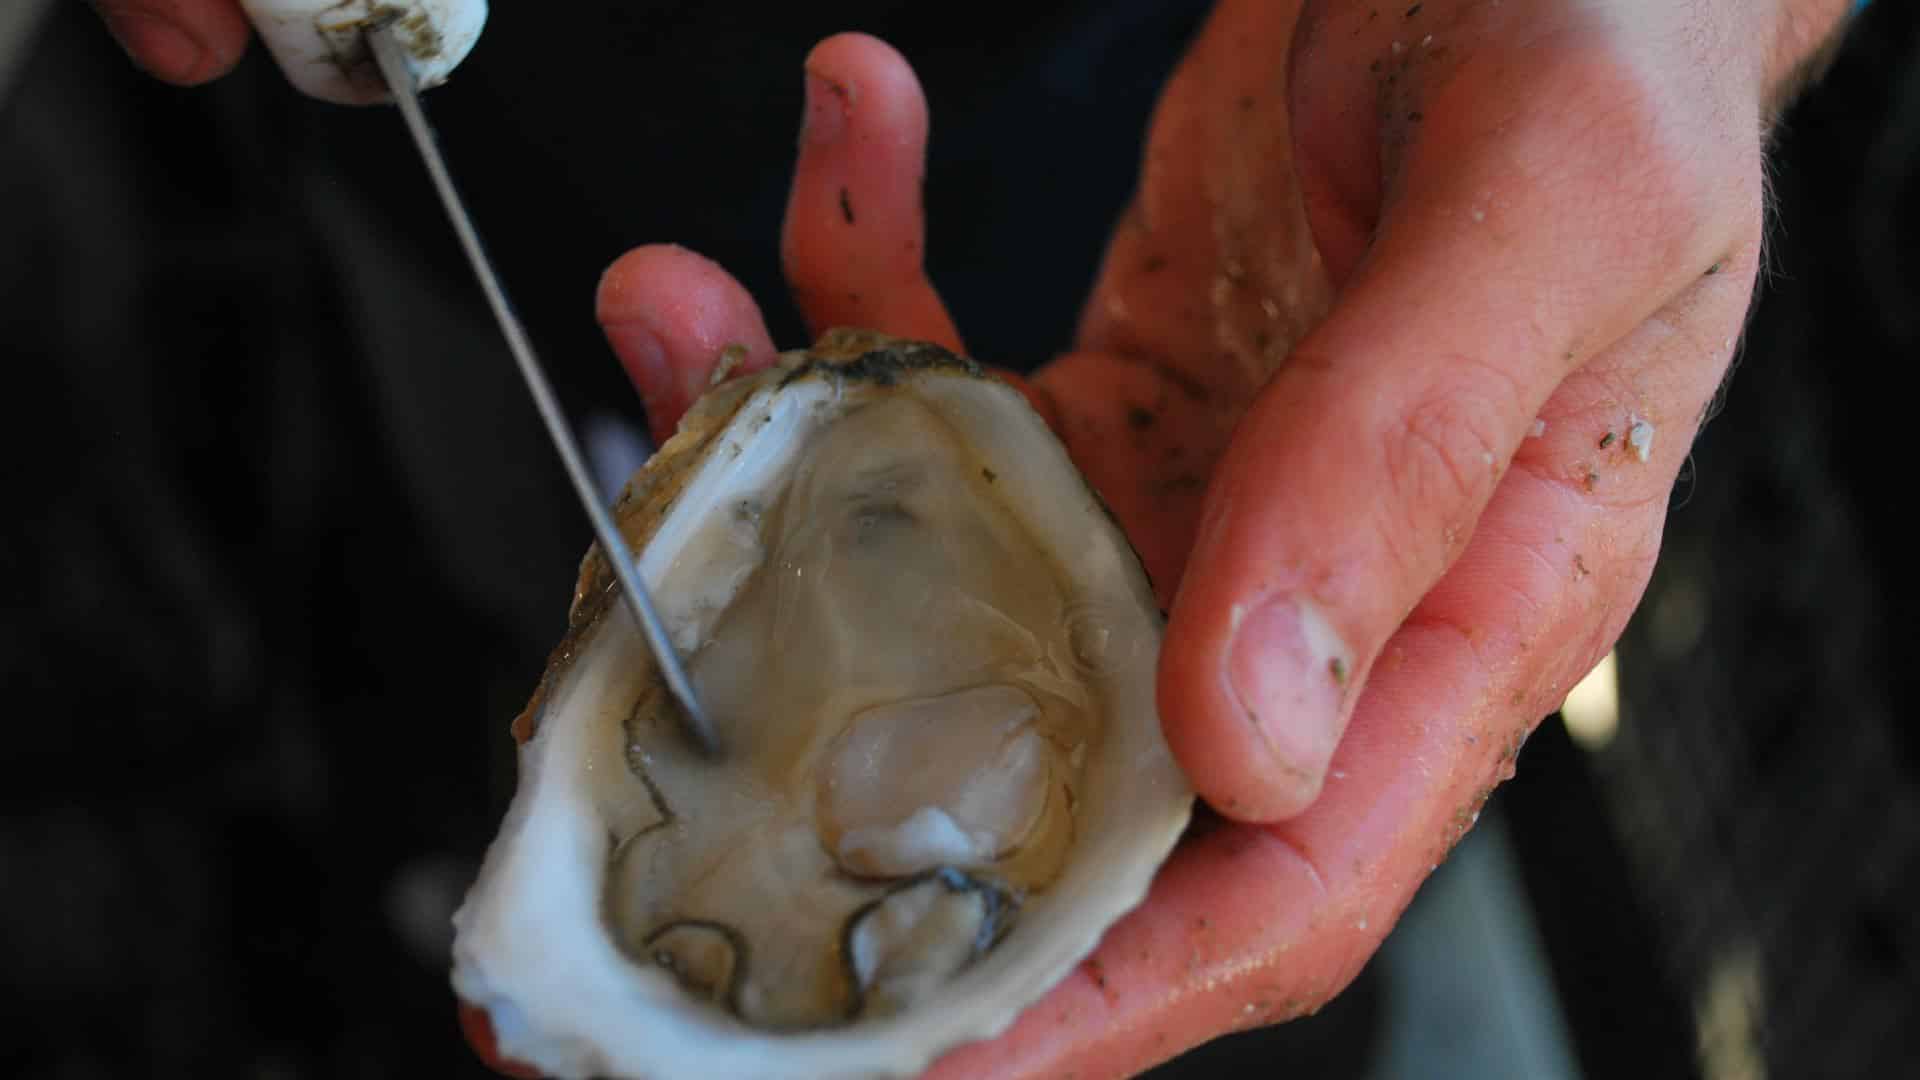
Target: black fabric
<point>284,546</point>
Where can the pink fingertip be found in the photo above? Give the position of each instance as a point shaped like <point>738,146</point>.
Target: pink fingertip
<point>828,103</point>
<point>161,47</point>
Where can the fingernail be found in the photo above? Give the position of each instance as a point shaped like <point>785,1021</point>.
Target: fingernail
<point>827,105</point>
<point>159,47</point>
<point>1290,671</point>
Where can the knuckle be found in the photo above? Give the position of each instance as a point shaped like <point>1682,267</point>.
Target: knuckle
<point>1444,454</point>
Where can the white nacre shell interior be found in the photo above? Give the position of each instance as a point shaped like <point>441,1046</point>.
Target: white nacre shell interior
<point>930,653</point>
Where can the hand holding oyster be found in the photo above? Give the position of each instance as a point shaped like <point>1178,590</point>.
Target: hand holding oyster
<point>1378,518</point>
<point>930,654</point>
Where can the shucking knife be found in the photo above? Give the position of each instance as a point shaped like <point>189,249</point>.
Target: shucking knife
<point>362,52</point>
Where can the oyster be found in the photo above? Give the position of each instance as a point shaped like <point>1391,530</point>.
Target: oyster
<point>929,653</point>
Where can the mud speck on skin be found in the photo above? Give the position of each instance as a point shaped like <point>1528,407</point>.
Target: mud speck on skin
<point>1139,418</point>
<point>988,474</point>
<point>1097,972</point>
<point>846,206</point>
<point>836,88</point>
<point>1517,741</point>
<point>1606,440</point>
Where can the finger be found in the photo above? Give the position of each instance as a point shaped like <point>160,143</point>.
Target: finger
<point>184,42</point>
<point>1208,282</point>
<point>855,230</point>
<point>1250,925</point>
<point>1146,443</point>
<point>669,315</point>
<point>1523,239</point>
<point>1211,276</point>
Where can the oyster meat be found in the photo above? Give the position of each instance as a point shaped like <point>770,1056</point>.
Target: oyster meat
<point>929,654</point>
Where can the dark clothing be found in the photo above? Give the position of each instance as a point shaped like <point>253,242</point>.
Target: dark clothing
<point>285,546</point>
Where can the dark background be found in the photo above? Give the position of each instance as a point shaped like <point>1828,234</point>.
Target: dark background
<point>284,549</point>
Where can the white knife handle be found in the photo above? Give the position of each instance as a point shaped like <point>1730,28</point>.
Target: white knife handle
<point>320,44</point>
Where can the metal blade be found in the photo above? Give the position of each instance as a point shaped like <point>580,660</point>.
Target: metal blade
<point>391,56</point>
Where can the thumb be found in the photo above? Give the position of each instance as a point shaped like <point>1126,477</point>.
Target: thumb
<point>184,42</point>
<point>1543,206</point>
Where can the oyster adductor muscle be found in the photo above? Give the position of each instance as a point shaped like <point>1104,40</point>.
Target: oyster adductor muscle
<point>929,654</point>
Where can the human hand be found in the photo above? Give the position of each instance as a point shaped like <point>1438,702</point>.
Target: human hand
<point>1398,501</point>
<point>183,42</point>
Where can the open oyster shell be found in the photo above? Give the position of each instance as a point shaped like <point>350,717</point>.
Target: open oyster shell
<point>930,655</point>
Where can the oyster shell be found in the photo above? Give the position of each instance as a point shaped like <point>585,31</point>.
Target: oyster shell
<point>929,653</point>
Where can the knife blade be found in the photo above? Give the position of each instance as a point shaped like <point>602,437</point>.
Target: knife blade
<point>390,54</point>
